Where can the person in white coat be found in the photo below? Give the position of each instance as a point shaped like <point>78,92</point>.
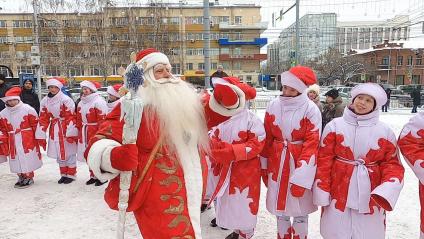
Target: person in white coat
<point>18,122</point>
<point>235,166</point>
<point>411,144</point>
<point>91,111</point>
<point>113,96</point>
<point>359,174</point>
<point>57,114</point>
<point>293,126</point>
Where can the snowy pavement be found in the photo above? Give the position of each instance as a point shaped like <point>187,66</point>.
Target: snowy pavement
<point>49,210</point>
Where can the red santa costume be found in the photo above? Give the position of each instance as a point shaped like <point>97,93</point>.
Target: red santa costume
<point>167,203</point>
<point>114,100</point>
<point>411,144</point>
<point>235,145</point>
<point>57,115</point>
<point>17,128</point>
<point>359,175</point>
<point>293,126</point>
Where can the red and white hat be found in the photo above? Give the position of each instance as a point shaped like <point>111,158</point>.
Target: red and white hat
<point>92,85</point>
<point>299,78</point>
<point>371,89</point>
<point>228,96</point>
<point>56,81</point>
<point>150,57</point>
<point>114,90</point>
<point>12,94</point>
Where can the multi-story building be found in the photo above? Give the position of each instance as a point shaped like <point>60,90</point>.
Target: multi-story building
<point>365,34</point>
<point>393,63</point>
<point>74,44</point>
<point>317,34</point>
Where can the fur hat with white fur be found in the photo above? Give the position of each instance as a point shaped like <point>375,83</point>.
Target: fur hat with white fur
<point>372,89</point>
<point>56,81</point>
<point>314,88</point>
<point>114,90</point>
<point>299,78</point>
<point>92,85</point>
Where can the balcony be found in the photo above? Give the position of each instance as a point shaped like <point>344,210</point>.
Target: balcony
<point>254,57</point>
<point>257,41</point>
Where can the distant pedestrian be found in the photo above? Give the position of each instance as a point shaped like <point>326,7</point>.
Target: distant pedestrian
<point>388,94</point>
<point>28,95</point>
<point>3,88</point>
<point>313,94</point>
<point>416,98</point>
<point>333,106</point>
<point>219,73</point>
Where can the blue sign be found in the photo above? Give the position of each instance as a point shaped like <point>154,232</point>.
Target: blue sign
<point>27,76</point>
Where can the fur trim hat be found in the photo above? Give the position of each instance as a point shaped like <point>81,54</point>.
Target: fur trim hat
<point>314,88</point>
<point>227,99</point>
<point>371,89</point>
<point>56,81</point>
<point>114,90</point>
<point>150,57</point>
<point>92,85</point>
<point>299,78</point>
<point>12,94</point>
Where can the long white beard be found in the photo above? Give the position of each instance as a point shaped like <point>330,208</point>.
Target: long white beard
<point>179,111</point>
<point>181,116</point>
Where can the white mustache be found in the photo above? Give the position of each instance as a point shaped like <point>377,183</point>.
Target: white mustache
<point>172,80</point>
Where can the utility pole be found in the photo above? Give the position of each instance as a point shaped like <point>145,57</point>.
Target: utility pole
<point>297,33</point>
<point>206,40</point>
<point>36,60</point>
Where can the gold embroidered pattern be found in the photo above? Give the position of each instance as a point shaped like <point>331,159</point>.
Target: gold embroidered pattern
<point>172,179</point>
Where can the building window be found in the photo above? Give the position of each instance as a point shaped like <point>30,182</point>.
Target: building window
<point>119,37</point>
<point>23,54</point>
<point>385,61</point>
<point>4,55</point>
<point>75,70</point>
<point>71,23</point>
<point>95,23</point>
<point>52,70</point>
<point>214,65</point>
<point>201,66</point>
<point>26,69</point>
<point>237,20</point>
<point>73,39</point>
<point>22,24</point>
<point>237,65</point>
<point>3,39</point>
<point>418,61</point>
<point>225,50</point>
<point>409,61</point>
<point>120,21</point>
<point>2,24</point>
<point>194,20</point>
<point>400,60</point>
<point>400,79</point>
<point>249,79</point>
<point>416,79</point>
<point>145,21</point>
<point>189,66</point>
<point>176,68</point>
<point>94,71</point>
<point>19,39</point>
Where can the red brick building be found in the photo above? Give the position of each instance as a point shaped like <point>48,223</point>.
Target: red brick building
<point>398,63</point>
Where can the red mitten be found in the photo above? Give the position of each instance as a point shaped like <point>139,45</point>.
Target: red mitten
<point>297,191</point>
<point>264,174</point>
<point>125,157</point>
<point>42,143</point>
<point>222,153</point>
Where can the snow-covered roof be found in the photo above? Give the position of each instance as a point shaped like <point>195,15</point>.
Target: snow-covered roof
<point>409,44</point>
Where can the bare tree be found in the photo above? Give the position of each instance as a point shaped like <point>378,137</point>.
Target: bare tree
<point>332,66</point>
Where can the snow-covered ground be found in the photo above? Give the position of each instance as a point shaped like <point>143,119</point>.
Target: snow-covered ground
<point>49,210</point>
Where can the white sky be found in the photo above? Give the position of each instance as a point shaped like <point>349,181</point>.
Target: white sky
<point>347,10</point>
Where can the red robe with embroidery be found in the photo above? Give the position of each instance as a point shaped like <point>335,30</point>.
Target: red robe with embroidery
<point>236,182</point>
<point>293,126</point>
<point>57,115</point>
<point>358,169</point>
<point>411,144</point>
<point>91,110</point>
<point>162,203</point>
<point>17,131</point>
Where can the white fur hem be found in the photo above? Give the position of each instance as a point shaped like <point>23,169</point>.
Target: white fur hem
<point>389,190</point>
<point>98,159</point>
<point>218,108</point>
<point>320,197</point>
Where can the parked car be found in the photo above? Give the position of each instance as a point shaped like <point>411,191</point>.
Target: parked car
<point>388,86</point>
<point>407,89</point>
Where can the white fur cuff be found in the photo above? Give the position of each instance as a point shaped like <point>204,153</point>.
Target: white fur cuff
<point>98,159</point>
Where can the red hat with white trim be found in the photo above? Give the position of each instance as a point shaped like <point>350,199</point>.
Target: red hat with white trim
<point>299,78</point>
<point>228,98</point>
<point>12,94</point>
<point>56,81</point>
<point>114,90</point>
<point>150,57</point>
<point>92,85</point>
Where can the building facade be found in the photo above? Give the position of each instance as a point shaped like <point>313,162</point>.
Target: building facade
<point>393,63</point>
<point>366,34</point>
<point>99,43</point>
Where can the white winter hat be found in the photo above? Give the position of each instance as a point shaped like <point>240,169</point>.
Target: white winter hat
<point>314,88</point>
<point>372,89</point>
<point>150,57</point>
<point>92,85</point>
